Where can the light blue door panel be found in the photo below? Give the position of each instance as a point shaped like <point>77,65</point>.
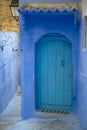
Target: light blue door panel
<point>54,74</point>
<point>51,73</point>
<point>42,74</point>
<point>67,74</point>
<point>59,73</point>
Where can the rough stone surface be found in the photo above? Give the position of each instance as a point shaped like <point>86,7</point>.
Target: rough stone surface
<point>44,121</point>
<point>58,123</point>
<point>11,115</point>
<point>7,22</point>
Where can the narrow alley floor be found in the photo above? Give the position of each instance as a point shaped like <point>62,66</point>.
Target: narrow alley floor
<point>11,115</point>
<point>10,119</point>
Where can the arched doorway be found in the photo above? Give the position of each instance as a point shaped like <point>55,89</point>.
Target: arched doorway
<point>54,73</point>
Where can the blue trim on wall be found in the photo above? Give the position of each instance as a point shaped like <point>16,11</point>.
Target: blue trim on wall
<point>48,11</point>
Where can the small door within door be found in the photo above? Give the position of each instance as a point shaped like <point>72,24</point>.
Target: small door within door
<point>54,74</point>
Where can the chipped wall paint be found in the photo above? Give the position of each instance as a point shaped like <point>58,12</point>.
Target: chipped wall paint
<point>9,67</point>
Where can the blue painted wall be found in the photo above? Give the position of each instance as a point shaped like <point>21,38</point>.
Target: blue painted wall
<point>32,28</point>
<point>9,67</point>
<point>82,80</point>
<point>79,60</point>
<point>21,2</point>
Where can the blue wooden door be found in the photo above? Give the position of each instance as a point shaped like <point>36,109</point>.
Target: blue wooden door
<point>54,73</point>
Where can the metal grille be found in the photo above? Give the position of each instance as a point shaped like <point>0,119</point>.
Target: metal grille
<point>55,111</point>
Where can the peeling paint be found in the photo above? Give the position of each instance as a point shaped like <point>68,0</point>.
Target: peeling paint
<point>9,67</point>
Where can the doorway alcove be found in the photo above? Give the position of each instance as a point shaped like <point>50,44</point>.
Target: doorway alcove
<point>36,22</point>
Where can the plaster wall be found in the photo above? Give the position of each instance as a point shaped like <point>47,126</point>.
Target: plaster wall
<point>84,7</point>
<point>32,28</point>
<point>21,2</point>
<point>82,72</point>
<point>9,67</point>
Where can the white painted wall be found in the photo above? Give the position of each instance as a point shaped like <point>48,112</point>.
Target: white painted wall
<point>21,2</point>
<point>84,7</point>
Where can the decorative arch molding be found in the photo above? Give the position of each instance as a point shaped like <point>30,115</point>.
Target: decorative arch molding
<point>50,9</point>
<point>58,36</point>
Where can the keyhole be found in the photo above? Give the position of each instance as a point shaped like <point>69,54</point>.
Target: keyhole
<point>62,62</point>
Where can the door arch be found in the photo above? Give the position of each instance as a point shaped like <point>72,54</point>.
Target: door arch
<point>54,73</point>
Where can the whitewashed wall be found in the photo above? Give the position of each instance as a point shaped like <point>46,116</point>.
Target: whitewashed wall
<point>84,7</point>
<point>21,2</point>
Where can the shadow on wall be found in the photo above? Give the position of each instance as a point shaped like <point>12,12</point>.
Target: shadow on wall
<point>82,82</point>
<point>9,67</point>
